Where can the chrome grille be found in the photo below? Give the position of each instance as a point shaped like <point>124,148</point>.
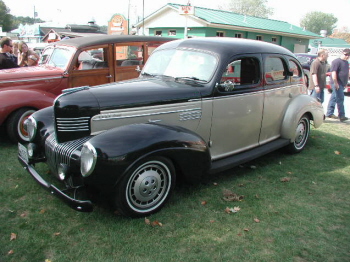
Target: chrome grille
<point>61,153</point>
<point>76,124</point>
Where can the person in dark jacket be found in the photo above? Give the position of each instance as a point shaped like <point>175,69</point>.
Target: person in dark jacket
<point>6,58</point>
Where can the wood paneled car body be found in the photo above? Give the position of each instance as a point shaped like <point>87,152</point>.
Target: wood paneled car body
<point>65,64</point>
<point>200,106</point>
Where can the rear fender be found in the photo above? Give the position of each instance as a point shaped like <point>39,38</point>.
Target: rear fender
<point>304,104</point>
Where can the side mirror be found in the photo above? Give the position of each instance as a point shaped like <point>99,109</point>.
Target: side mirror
<point>138,69</point>
<point>226,86</point>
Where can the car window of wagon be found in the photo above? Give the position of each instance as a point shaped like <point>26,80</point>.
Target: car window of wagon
<point>57,57</point>
<point>181,64</point>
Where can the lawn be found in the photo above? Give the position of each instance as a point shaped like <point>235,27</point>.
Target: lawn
<point>288,208</point>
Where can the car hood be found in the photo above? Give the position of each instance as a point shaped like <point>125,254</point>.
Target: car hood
<point>131,93</point>
<point>25,73</point>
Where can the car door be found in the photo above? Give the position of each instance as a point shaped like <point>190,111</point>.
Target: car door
<point>92,66</point>
<point>280,87</point>
<point>237,107</point>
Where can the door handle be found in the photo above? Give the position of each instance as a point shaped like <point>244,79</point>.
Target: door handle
<point>109,76</point>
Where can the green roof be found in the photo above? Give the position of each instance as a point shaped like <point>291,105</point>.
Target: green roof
<point>330,42</point>
<point>221,17</point>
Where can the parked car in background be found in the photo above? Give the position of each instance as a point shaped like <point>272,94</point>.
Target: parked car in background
<point>200,105</point>
<point>84,61</point>
<point>305,60</point>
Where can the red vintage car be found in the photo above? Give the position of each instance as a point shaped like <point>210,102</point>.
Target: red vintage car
<point>84,61</point>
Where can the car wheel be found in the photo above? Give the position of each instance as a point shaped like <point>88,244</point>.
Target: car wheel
<point>146,187</point>
<point>302,133</point>
<point>15,125</point>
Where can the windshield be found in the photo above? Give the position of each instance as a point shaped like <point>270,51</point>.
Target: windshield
<point>181,64</point>
<point>57,57</point>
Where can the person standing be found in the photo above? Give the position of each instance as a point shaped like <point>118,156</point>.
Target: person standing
<point>339,79</point>
<point>6,58</point>
<point>318,72</point>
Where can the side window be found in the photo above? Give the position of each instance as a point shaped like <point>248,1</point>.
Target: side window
<point>129,55</point>
<point>274,69</point>
<point>293,67</point>
<point>96,58</point>
<point>241,72</point>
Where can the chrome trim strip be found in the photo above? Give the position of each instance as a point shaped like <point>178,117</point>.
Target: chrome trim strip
<point>31,80</point>
<point>109,116</point>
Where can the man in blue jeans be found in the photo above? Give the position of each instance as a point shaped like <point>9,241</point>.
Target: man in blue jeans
<point>339,79</point>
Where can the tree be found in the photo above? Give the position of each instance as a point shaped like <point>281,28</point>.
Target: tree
<point>6,19</point>
<point>256,8</point>
<point>317,21</point>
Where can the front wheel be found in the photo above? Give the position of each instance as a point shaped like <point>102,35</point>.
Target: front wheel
<point>302,133</point>
<point>15,125</point>
<point>146,187</point>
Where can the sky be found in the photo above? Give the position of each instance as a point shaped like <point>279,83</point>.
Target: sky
<point>80,12</point>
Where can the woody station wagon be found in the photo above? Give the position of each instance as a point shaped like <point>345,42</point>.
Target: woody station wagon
<point>200,106</point>
<point>65,64</point>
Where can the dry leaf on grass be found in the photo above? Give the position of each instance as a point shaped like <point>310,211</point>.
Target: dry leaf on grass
<point>285,179</point>
<point>230,196</point>
<point>337,152</point>
<point>147,221</point>
<point>13,236</point>
<point>246,229</point>
<point>256,220</point>
<point>57,234</point>
<point>204,203</point>
<point>229,210</point>
<point>156,223</point>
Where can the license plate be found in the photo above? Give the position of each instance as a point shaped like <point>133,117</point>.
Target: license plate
<point>23,153</point>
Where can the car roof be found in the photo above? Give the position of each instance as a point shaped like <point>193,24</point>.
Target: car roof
<point>227,45</point>
<point>81,42</point>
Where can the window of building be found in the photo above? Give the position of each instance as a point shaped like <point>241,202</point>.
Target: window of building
<point>274,39</point>
<point>172,32</point>
<point>158,33</point>
<point>274,69</point>
<point>238,35</point>
<point>259,37</point>
<point>220,34</point>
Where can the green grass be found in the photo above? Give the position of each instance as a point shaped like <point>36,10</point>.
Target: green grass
<point>304,219</point>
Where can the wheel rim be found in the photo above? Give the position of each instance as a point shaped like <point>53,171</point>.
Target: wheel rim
<point>148,186</point>
<point>22,132</point>
<point>302,133</point>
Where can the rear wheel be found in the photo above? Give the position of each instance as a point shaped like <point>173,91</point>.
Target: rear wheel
<point>302,133</point>
<point>146,187</point>
<point>15,125</point>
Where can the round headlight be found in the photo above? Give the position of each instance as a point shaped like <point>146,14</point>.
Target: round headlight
<point>87,159</point>
<point>31,127</point>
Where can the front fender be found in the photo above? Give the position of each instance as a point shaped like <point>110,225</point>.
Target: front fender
<point>12,100</point>
<point>120,148</point>
<point>300,105</point>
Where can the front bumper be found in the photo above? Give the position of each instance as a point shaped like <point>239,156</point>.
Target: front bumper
<point>78,205</point>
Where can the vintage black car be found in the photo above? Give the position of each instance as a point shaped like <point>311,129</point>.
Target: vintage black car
<point>200,106</point>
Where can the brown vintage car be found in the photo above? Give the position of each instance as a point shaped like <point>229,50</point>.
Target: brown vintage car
<point>84,61</point>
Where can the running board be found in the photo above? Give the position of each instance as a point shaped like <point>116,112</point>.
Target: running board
<point>235,160</point>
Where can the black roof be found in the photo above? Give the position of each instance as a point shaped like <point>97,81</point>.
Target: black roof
<point>81,42</point>
<point>227,45</point>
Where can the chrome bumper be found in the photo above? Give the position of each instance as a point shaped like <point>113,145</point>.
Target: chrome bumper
<point>78,205</point>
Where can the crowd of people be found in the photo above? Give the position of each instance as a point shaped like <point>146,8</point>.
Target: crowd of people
<point>339,76</point>
<point>16,54</point>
